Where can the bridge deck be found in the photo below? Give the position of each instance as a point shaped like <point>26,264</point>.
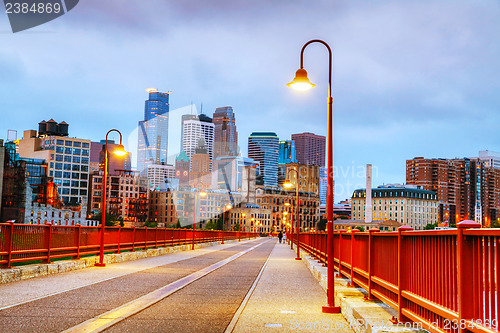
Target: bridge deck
<point>252,286</point>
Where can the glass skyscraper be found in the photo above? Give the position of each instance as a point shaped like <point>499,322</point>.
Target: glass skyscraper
<point>263,147</point>
<point>287,152</point>
<point>153,130</point>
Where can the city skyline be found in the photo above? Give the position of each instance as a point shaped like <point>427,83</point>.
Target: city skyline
<point>410,79</point>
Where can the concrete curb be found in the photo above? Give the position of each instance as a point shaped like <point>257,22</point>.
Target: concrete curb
<point>362,315</point>
<point>8,275</point>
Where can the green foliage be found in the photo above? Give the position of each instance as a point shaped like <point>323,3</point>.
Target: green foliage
<point>178,225</point>
<point>236,227</point>
<point>430,226</point>
<point>360,228</point>
<point>322,225</point>
<point>111,220</point>
<point>495,224</point>
<point>210,225</point>
<point>150,224</point>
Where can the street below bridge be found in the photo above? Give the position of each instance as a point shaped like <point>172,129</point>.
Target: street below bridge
<point>252,286</point>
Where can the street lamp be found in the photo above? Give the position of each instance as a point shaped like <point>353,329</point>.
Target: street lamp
<point>223,219</point>
<point>202,194</point>
<point>119,151</point>
<point>288,184</point>
<point>239,226</point>
<point>301,82</point>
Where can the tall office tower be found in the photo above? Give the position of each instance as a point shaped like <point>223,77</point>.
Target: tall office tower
<point>263,147</point>
<point>200,177</point>
<point>67,158</point>
<point>287,152</point>
<point>195,128</point>
<point>153,130</point>
<point>310,148</point>
<point>226,135</point>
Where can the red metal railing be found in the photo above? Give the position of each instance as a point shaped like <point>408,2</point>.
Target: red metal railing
<point>24,242</point>
<point>447,280</point>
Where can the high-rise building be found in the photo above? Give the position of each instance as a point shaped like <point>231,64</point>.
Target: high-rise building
<point>287,152</point>
<point>310,148</point>
<point>159,176</point>
<point>195,128</point>
<point>226,135</point>
<point>491,158</point>
<point>153,130</point>
<point>466,188</point>
<point>67,158</point>
<point>200,177</point>
<point>263,147</point>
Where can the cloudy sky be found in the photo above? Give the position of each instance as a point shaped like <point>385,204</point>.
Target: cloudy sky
<point>411,78</point>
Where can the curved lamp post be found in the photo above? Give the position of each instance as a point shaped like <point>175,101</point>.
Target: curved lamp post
<point>202,194</point>
<point>301,82</point>
<point>288,184</point>
<point>119,151</point>
<point>224,218</point>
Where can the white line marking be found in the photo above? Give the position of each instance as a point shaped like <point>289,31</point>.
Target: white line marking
<point>110,318</point>
<point>243,304</point>
<point>113,277</point>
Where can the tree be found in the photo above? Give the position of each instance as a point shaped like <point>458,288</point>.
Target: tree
<point>110,219</point>
<point>150,224</point>
<point>360,228</point>
<point>495,224</point>
<point>430,226</point>
<point>322,225</point>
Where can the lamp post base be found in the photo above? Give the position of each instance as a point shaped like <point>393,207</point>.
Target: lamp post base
<point>330,309</point>
<point>100,264</point>
<point>298,258</point>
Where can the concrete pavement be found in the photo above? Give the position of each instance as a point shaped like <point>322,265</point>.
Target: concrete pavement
<point>286,298</point>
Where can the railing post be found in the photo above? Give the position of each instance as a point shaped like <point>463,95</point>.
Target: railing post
<point>47,239</point>
<point>156,237</point>
<point>341,231</point>
<point>370,262</point>
<point>78,238</point>
<point>119,238</point>
<point>133,238</point>
<point>146,238</point>
<point>465,253</point>
<point>401,272</point>
<point>353,233</point>
<point>9,244</point>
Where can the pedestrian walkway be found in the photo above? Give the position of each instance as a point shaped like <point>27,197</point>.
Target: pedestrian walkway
<point>286,298</point>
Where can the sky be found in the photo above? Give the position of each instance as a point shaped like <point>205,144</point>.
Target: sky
<point>410,78</point>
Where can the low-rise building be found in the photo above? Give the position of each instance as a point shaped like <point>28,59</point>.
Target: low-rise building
<point>279,201</point>
<point>408,205</point>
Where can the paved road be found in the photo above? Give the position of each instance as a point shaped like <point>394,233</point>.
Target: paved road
<point>205,305</point>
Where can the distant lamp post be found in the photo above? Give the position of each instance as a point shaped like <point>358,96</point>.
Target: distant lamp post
<point>228,207</point>
<point>301,82</point>
<point>288,184</point>
<point>243,220</point>
<point>202,194</point>
<point>119,151</point>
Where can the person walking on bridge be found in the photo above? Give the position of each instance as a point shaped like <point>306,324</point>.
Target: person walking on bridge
<point>280,236</point>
